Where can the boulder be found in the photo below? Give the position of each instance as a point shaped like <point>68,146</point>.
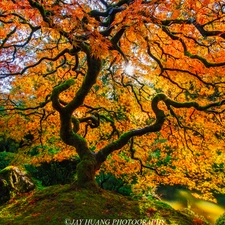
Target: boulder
<point>17,181</point>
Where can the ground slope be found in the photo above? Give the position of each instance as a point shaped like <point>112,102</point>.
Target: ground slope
<point>67,204</point>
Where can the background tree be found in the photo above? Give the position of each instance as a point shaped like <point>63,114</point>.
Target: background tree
<point>131,86</point>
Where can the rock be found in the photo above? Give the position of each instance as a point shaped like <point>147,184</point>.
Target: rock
<point>17,180</point>
<point>4,191</point>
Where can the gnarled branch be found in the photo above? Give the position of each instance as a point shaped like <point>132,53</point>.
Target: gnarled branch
<point>156,126</point>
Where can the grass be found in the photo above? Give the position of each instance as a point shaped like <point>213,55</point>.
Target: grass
<point>70,205</point>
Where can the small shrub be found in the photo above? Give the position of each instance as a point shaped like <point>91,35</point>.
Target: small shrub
<point>220,220</point>
<point>110,182</point>
<point>5,159</point>
<point>53,173</point>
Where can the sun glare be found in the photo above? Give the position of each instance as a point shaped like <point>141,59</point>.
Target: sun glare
<point>129,69</point>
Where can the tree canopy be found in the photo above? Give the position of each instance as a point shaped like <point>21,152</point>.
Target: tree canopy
<point>130,86</point>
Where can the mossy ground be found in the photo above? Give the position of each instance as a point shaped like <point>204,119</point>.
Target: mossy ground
<point>54,204</point>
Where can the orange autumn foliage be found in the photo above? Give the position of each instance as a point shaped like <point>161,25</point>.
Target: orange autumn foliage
<point>171,47</point>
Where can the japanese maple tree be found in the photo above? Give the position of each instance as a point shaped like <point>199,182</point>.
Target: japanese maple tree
<point>128,85</point>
